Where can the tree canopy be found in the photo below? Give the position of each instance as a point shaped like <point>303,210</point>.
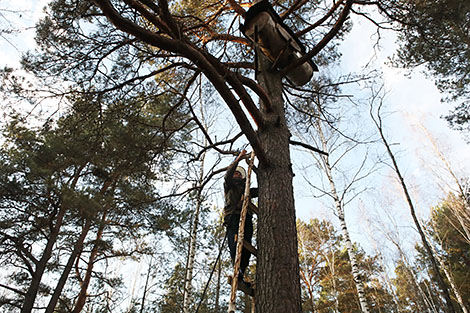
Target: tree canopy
<point>435,35</point>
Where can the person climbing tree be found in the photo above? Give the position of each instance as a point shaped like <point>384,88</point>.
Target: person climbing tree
<point>234,187</point>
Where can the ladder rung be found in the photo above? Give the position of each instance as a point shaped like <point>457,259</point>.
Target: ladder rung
<point>248,246</point>
<point>253,208</point>
<point>242,287</point>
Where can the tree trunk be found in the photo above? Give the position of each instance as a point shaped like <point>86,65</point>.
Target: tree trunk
<point>277,269</point>
<point>187,292</point>
<point>411,272</point>
<point>41,265</point>
<point>344,229</point>
<point>94,252</point>
<point>440,280</point>
<point>307,281</point>
<point>462,215</point>
<point>353,260</point>
<point>217,287</point>
<point>30,296</point>
<point>80,303</point>
<point>351,253</point>
<point>449,276</point>
<point>68,267</point>
<point>147,279</point>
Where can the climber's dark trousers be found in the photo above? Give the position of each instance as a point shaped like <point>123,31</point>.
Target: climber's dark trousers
<point>232,222</point>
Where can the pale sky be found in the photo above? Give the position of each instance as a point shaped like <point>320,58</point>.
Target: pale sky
<point>20,15</point>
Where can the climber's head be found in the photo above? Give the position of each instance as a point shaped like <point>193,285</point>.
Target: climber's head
<point>239,173</point>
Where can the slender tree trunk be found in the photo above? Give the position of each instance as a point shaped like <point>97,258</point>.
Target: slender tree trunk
<point>33,289</point>
<point>428,302</point>
<point>217,287</point>
<point>462,215</point>
<point>331,265</point>
<point>385,276</point>
<point>80,303</point>
<point>147,279</point>
<point>450,278</point>
<point>277,270</point>
<point>307,281</point>
<point>68,267</point>
<point>344,229</point>
<point>187,293</point>
<point>440,280</point>
<point>353,260</point>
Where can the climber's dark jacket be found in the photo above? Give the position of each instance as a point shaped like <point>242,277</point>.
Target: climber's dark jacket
<point>234,190</point>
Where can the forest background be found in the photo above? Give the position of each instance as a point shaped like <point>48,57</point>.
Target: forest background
<point>160,235</point>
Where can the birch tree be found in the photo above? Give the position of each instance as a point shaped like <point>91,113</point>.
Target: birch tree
<point>329,139</point>
<point>451,181</point>
<point>448,241</point>
<point>339,207</point>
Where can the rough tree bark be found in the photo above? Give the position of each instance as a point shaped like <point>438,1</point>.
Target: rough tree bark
<point>277,268</point>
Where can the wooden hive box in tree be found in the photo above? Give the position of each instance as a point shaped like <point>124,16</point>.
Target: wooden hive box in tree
<point>277,41</point>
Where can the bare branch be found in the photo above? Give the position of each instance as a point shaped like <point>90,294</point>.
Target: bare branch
<point>298,143</point>
<point>326,39</point>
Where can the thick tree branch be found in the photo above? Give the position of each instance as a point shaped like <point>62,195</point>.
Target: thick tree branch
<point>234,80</point>
<point>237,8</point>
<point>165,13</point>
<point>326,39</point>
<point>258,90</point>
<point>214,71</point>
<point>322,20</point>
